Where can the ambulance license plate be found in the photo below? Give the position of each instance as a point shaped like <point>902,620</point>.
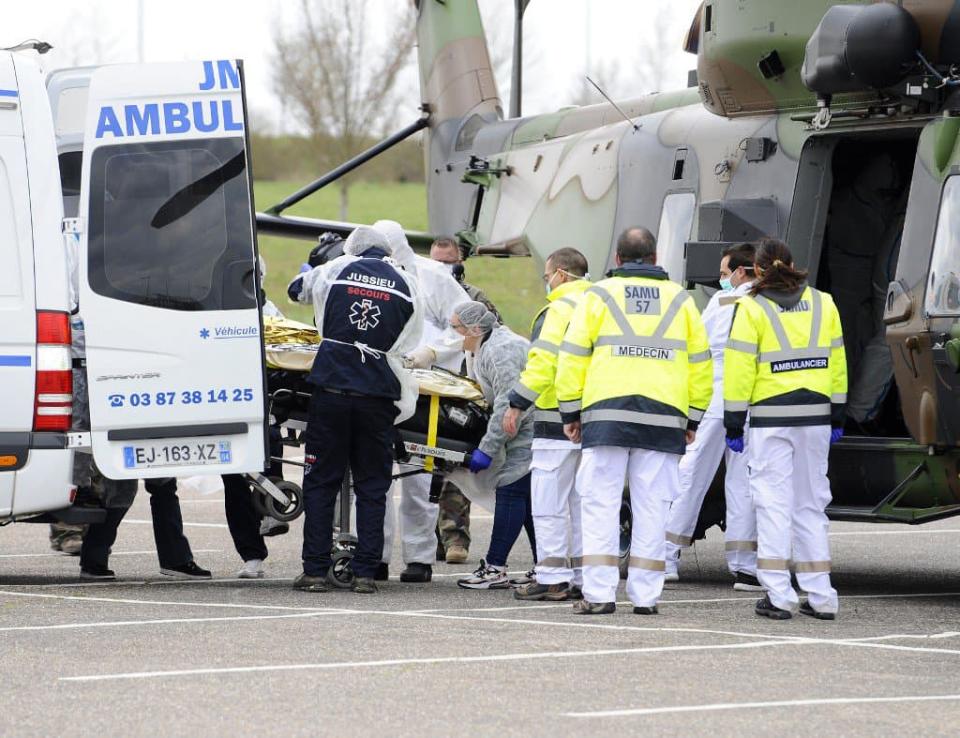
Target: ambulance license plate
<point>185,453</point>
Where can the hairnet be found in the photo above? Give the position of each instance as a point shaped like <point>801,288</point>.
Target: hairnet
<point>365,237</point>
<point>393,232</point>
<point>475,315</point>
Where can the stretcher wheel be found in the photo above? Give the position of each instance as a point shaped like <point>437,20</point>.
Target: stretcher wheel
<point>626,531</point>
<point>292,510</point>
<point>341,575</point>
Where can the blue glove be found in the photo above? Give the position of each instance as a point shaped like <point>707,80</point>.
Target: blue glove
<point>305,268</point>
<point>835,435</point>
<point>479,461</point>
<point>735,445</point>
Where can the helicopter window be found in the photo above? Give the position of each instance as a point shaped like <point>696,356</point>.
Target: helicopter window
<point>943,289</point>
<point>676,223</point>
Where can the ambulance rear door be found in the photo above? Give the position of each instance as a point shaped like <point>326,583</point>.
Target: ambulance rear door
<point>168,279</point>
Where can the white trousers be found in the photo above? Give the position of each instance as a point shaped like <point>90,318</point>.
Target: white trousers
<point>697,469</point>
<point>556,515</point>
<point>418,520</point>
<point>652,476</point>
<point>790,489</point>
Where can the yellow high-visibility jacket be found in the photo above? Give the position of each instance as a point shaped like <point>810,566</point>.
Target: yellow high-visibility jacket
<point>536,384</point>
<point>635,364</point>
<point>784,362</point>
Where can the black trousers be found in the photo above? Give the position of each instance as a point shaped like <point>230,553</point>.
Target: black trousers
<point>354,431</point>
<point>243,520</point>
<point>173,548</point>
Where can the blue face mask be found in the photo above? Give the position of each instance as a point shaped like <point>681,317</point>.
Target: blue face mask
<point>726,285</point>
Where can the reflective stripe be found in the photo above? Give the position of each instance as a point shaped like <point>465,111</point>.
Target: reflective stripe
<point>817,319</point>
<point>576,562</point>
<point>648,564</point>
<point>679,540</point>
<point>773,564</point>
<point>550,348</point>
<point>570,406</point>
<point>525,392</point>
<point>789,411</point>
<point>839,398</point>
<point>631,416</point>
<point>643,342</point>
<point>668,317</point>
<point>575,350</point>
<point>811,567</point>
<point>700,357</point>
<point>740,546</point>
<point>792,354</point>
<point>744,346</point>
<point>736,406</point>
<point>837,342</point>
<point>657,340</point>
<point>556,562</point>
<point>770,308</point>
<point>601,560</point>
<point>616,313</point>
<point>695,414</point>
<point>547,416</point>
<point>572,303</point>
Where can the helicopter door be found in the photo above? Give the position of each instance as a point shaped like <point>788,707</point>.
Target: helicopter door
<point>167,276</point>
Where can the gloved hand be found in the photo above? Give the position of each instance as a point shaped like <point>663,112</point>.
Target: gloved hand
<point>735,444</point>
<point>421,358</point>
<point>305,268</point>
<point>479,461</point>
<point>835,435</point>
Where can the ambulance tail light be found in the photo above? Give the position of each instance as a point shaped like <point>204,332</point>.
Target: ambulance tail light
<point>53,400</point>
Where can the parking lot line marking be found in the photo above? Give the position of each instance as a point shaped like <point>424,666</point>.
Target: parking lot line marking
<point>127,601</point>
<point>556,605</point>
<point>164,580</point>
<point>60,555</point>
<point>760,705</point>
<point>415,661</point>
<point>165,621</point>
<point>135,521</point>
<point>914,530</point>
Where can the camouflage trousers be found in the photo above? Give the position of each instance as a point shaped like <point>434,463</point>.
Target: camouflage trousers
<point>453,523</point>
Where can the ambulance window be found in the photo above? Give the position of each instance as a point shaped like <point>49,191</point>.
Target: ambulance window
<point>170,225</point>
<point>676,222</point>
<point>943,288</point>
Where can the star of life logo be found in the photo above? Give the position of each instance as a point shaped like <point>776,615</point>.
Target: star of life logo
<point>364,314</point>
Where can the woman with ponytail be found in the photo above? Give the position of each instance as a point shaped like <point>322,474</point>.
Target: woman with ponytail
<point>784,363</point>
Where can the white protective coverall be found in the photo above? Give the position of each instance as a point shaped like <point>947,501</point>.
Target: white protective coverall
<point>699,465</point>
<point>440,293</point>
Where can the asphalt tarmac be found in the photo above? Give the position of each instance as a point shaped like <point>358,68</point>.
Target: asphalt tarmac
<point>149,656</point>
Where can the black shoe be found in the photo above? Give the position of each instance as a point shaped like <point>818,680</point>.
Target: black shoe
<point>383,572</point>
<point>766,608</point>
<point>747,583</point>
<point>307,583</point>
<point>364,585</point>
<point>190,570</point>
<point>417,573</point>
<point>96,571</point>
<point>807,609</point>
<point>643,610</point>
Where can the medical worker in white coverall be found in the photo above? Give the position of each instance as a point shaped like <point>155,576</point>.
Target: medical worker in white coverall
<point>440,346</point>
<point>785,365</point>
<point>699,465</point>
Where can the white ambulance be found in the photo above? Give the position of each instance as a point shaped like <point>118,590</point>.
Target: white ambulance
<point>160,218</point>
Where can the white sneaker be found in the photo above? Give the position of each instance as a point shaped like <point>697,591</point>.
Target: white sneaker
<point>530,576</point>
<point>486,577</point>
<point>671,576</point>
<point>252,569</point>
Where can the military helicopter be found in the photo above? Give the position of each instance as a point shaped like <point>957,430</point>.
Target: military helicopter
<point>835,127</point>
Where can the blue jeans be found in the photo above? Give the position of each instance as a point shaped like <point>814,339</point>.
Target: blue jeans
<point>512,513</point>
